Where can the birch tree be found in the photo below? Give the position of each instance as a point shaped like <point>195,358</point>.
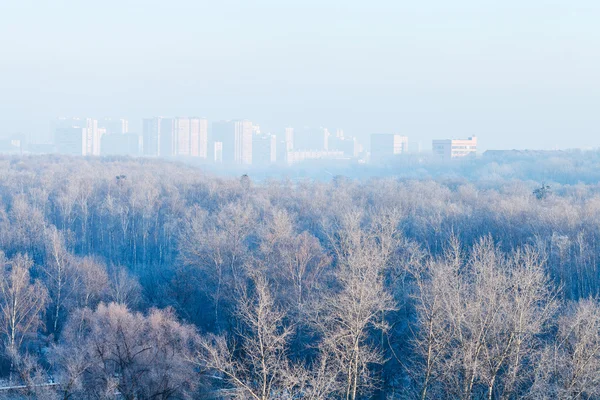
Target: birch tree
<point>262,370</point>
<point>570,365</point>
<point>60,277</point>
<point>22,302</point>
<point>479,321</point>
<point>347,317</point>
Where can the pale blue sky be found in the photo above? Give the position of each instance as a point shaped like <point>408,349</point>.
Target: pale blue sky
<point>516,73</point>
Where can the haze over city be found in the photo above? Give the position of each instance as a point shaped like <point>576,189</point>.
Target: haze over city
<point>300,200</point>
<point>520,74</point>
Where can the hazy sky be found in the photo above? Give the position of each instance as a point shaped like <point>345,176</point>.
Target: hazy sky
<point>516,73</point>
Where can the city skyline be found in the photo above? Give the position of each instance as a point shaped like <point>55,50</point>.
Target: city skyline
<point>239,143</point>
<point>522,74</point>
<point>424,143</point>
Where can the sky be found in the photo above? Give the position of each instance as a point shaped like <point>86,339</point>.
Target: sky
<point>516,73</point>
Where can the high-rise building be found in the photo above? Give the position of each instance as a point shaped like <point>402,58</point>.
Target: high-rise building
<point>192,137</point>
<point>346,144</point>
<point>158,135</point>
<point>243,148</point>
<point>114,126</point>
<point>282,151</point>
<point>264,149</point>
<point>218,152</point>
<point>67,136</point>
<point>151,136</point>
<point>168,139</point>
<point>448,149</point>
<point>94,137</point>
<point>182,136</point>
<point>127,144</point>
<point>70,140</point>
<point>311,139</point>
<point>199,137</point>
<point>384,146</point>
<point>236,139</point>
<point>289,138</point>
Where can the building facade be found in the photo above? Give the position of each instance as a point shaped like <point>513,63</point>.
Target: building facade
<point>236,139</point>
<point>181,137</point>
<point>126,144</point>
<point>346,144</point>
<point>71,141</point>
<point>218,152</point>
<point>151,136</point>
<point>264,149</point>
<point>289,138</point>
<point>448,149</point>
<point>310,139</point>
<point>384,146</point>
<point>77,136</point>
<point>159,137</point>
<point>297,156</point>
<point>199,137</point>
<point>114,126</point>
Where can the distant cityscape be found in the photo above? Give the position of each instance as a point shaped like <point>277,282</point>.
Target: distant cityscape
<point>232,142</point>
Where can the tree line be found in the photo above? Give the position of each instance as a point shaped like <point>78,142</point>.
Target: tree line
<point>143,279</point>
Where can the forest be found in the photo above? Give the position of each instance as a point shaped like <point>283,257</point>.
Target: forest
<point>140,279</point>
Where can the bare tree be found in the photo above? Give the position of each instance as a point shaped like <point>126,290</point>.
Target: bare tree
<point>123,288</point>
<point>263,370</point>
<point>218,247</point>
<point>22,302</point>
<point>60,277</point>
<point>570,366</point>
<point>479,320</point>
<point>295,261</point>
<point>34,378</point>
<point>347,317</point>
<point>316,380</point>
<point>118,352</point>
<point>92,282</point>
<point>434,335</point>
<point>27,227</point>
<point>21,306</point>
